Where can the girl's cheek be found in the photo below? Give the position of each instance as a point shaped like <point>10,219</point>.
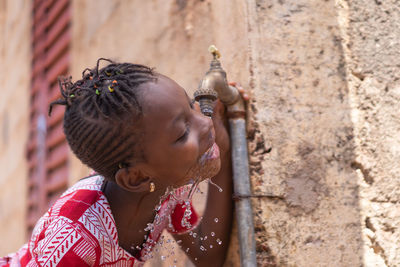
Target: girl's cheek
<point>192,149</point>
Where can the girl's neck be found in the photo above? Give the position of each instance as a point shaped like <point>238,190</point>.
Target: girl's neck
<point>132,212</point>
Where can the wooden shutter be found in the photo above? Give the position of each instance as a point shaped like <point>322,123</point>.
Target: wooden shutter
<point>47,150</point>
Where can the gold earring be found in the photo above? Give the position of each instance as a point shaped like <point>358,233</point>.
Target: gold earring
<point>152,187</point>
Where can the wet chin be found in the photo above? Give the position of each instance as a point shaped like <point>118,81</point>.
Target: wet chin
<point>202,172</point>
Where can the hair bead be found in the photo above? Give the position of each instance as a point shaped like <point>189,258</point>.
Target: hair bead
<point>111,89</point>
<point>97,92</point>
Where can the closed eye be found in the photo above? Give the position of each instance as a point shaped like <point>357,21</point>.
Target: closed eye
<point>184,136</point>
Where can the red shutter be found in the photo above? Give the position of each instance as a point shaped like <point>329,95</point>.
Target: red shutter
<point>47,150</point>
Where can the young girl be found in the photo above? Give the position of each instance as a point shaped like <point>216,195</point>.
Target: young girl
<point>145,140</point>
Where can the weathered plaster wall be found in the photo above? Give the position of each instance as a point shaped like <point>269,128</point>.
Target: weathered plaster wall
<point>302,137</point>
<point>14,120</point>
<point>371,37</point>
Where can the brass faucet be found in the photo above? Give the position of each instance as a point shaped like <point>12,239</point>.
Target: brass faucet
<point>214,85</point>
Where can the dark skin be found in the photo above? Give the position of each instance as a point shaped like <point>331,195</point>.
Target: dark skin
<point>176,135</point>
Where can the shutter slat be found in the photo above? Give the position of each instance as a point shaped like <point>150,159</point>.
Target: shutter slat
<point>57,156</point>
<point>55,11</point>
<point>58,47</point>
<point>56,116</point>
<point>60,67</point>
<point>50,37</point>
<point>55,30</point>
<point>57,180</point>
<point>55,137</point>
<point>54,93</point>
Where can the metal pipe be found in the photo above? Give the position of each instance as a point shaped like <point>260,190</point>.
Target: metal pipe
<point>244,214</point>
<point>213,85</point>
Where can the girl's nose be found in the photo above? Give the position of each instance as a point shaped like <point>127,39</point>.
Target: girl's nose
<point>206,128</point>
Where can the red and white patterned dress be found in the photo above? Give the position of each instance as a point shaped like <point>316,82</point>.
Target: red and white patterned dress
<point>79,230</point>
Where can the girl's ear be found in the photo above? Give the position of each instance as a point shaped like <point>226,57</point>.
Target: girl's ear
<point>132,179</point>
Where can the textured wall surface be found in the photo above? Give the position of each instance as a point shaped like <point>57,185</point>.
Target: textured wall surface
<point>302,138</point>
<point>14,120</point>
<point>371,38</point>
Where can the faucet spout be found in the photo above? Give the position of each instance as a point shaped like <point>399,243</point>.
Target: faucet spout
<point>214,85</point>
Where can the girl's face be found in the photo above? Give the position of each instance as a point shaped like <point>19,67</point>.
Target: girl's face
<point>179,141</point>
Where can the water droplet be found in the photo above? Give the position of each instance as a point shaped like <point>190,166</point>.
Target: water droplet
<point>219,241</point>
<point>179,241</point>
<point>201,238</point>
<point>195,259</point>
<point>202,248</point>
<point>214,184</point>
<point>216,220</point>
<point>163,258</point>
<point>212,234</point>
<point>205,238</point>
<point>211,246</point>
<point>187,250</point>
<point>194,235</point>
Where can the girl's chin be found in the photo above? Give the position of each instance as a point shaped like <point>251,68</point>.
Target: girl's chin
<point>203,171</point>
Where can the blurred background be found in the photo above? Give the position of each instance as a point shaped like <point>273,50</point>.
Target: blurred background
<point>323,120</point>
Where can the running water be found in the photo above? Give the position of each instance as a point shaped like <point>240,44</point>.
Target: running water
<point>182,196</point>
<point>193,189</point>
<point>214,184</point>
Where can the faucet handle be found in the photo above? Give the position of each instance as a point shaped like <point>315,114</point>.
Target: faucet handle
<point>214,51</point>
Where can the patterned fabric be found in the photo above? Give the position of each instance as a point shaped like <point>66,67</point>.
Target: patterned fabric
<point>79,230</point>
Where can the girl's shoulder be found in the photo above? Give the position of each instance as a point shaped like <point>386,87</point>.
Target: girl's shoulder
<point>93,183</point>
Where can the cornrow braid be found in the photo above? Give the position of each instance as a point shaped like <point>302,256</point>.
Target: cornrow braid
<point>102,112</point>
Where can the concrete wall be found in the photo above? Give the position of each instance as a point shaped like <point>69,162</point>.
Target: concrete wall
<point>302,138</point>
<point>14,120</point>
<point>371,38</point>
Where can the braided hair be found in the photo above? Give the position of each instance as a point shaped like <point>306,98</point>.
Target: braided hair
<point>103,114</point>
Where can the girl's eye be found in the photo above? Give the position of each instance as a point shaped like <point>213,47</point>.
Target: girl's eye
<point>184,136</point>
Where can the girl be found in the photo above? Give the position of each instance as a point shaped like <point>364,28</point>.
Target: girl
<point>141,134</point>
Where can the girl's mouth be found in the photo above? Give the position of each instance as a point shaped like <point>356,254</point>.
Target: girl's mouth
<point>211,153</point>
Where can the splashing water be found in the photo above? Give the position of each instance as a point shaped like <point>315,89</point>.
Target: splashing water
<point>187,215</point>
<point>214,184</point>
<point>182,196</point>
<point>193,188</point>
